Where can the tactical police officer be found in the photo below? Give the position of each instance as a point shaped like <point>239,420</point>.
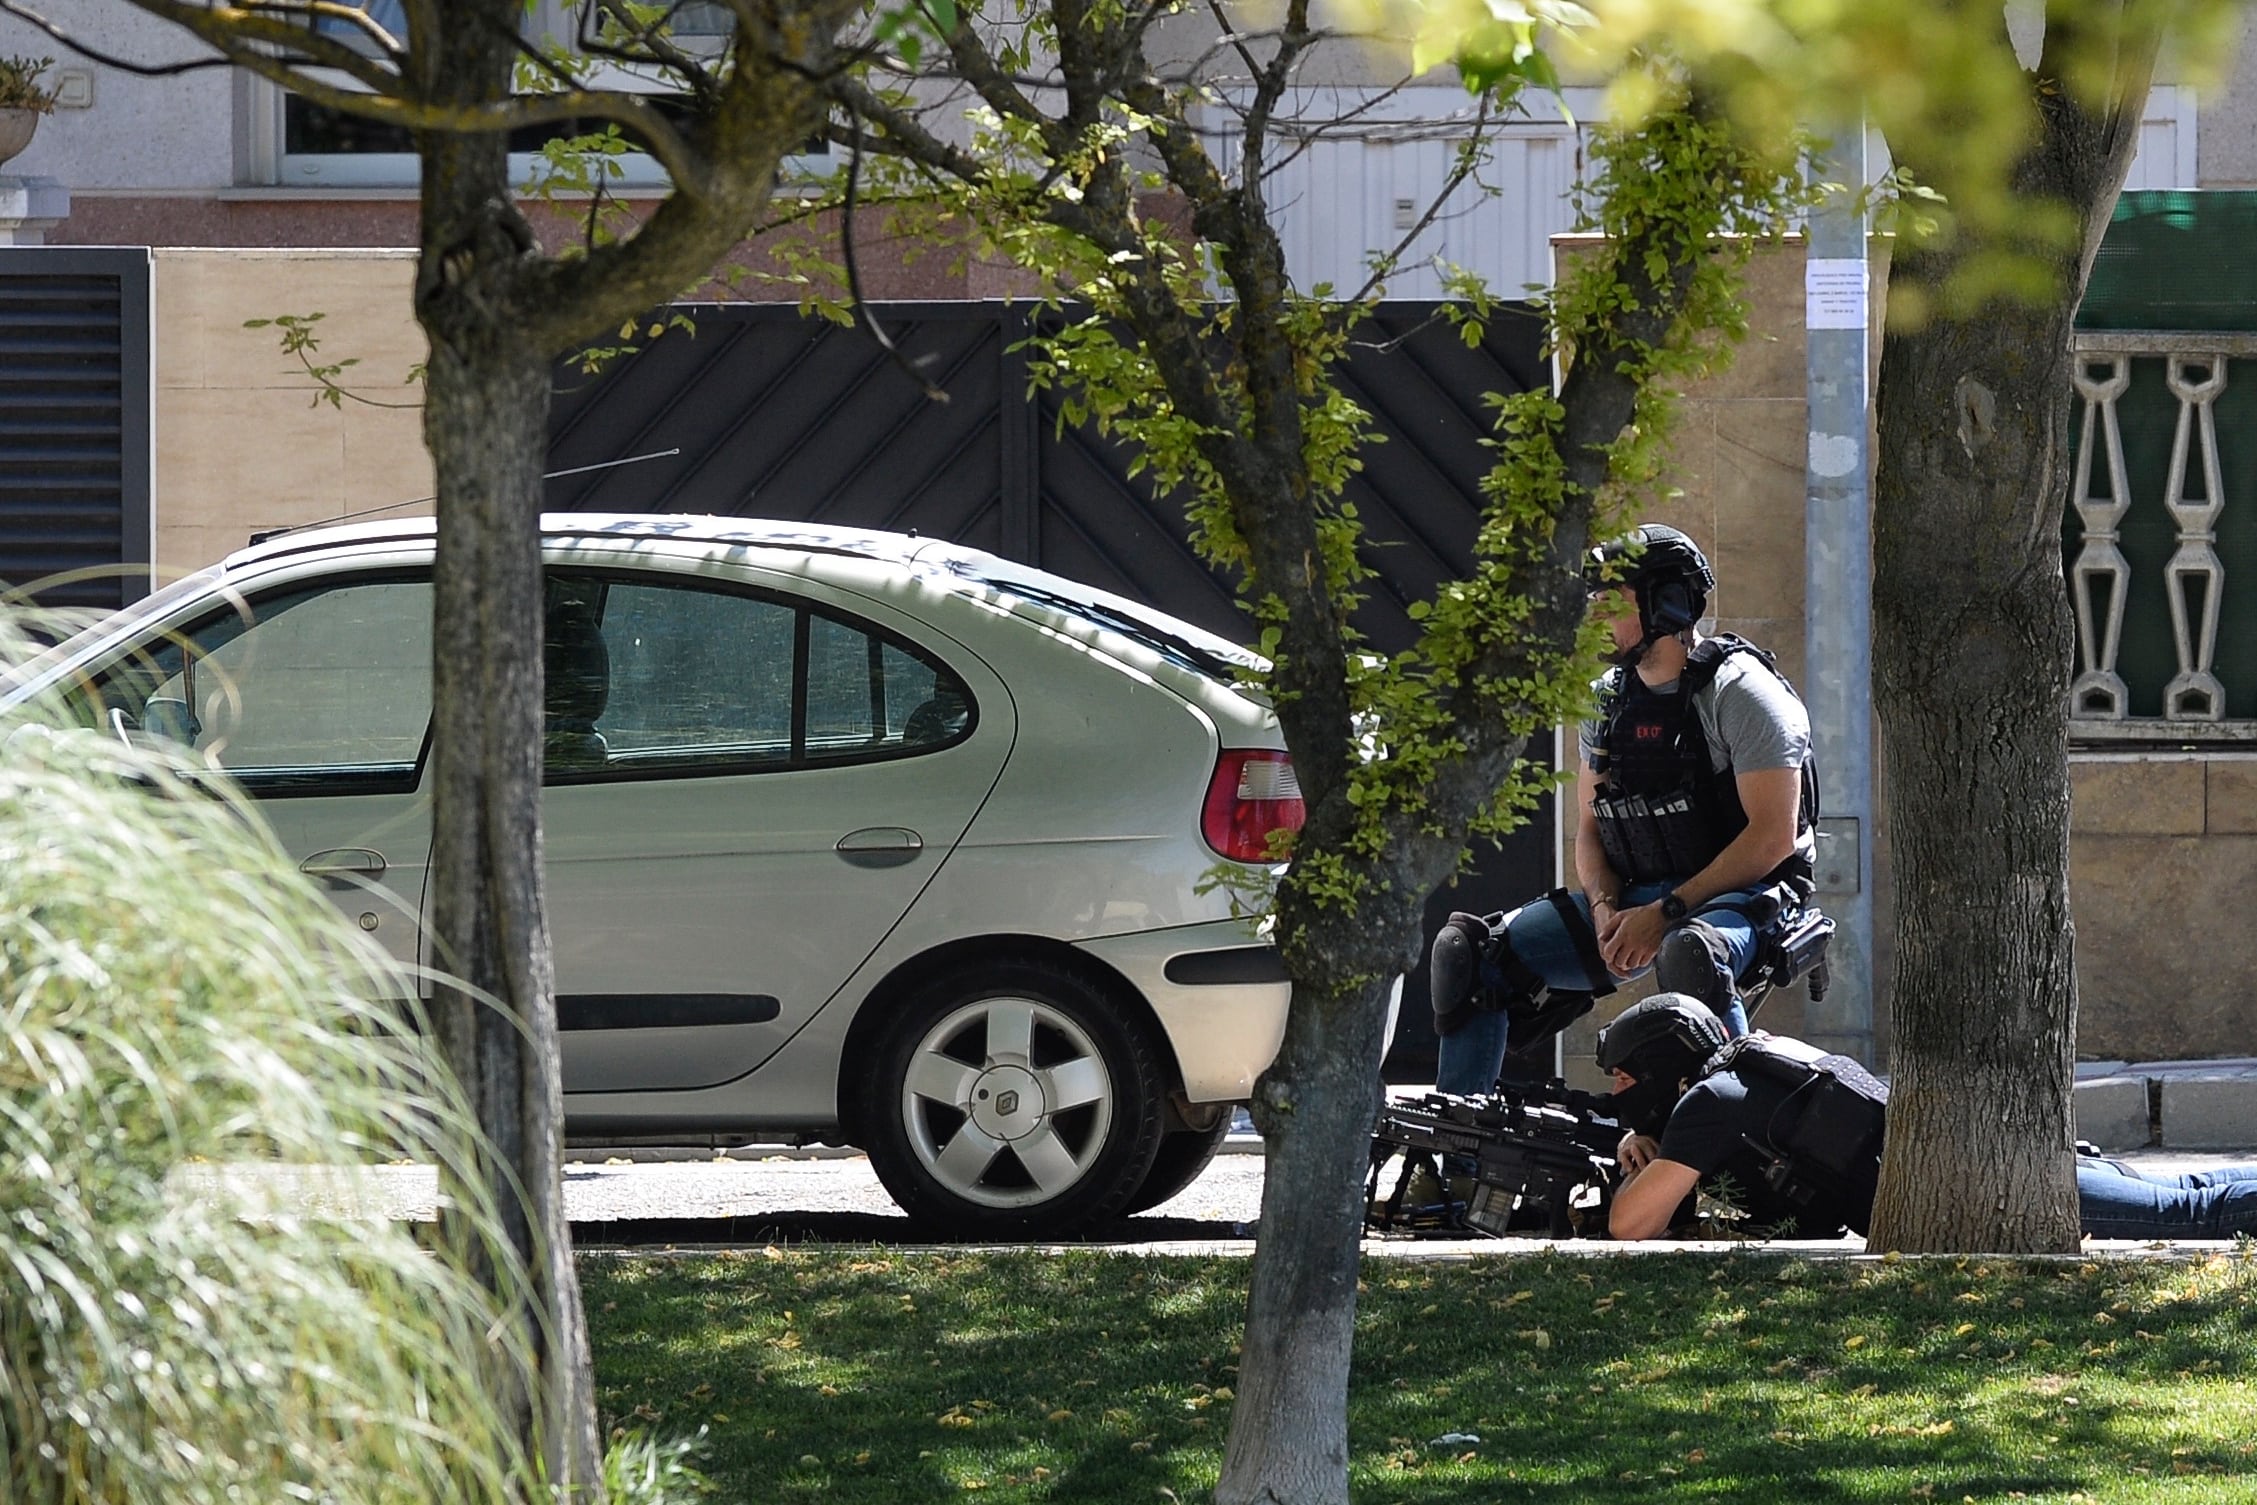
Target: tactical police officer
<point>1792,1137</point>
<point>1693,797</point>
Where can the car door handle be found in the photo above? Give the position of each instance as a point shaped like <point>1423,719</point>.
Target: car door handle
<point>344,862</point>
<point>880,846</point>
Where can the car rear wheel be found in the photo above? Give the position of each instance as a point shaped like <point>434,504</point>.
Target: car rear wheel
<point>1184,1154</point>
<point>1015,1100</point>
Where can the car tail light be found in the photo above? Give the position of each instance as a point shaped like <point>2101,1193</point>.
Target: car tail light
<point>1252,794</point>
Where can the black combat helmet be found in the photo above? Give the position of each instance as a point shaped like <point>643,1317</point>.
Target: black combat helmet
<point>1660,1042</point>
<point>1664,569</point>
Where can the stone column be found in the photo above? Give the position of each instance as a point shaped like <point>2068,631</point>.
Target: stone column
<point>29,208</point>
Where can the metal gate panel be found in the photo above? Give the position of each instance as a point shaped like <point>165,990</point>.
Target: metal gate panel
<point>782,416</point>
<point>75,424</point>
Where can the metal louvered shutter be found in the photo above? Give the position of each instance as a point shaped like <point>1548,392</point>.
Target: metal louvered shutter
<point>74,424</point>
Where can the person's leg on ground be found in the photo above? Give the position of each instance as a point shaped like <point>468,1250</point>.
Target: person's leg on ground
<point>2117,1201</point>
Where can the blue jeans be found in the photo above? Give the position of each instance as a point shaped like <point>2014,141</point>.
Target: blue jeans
<point>2116,1201</point>
<point>1471,1058</point>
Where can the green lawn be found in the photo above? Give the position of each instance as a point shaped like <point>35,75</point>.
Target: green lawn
<point>879,1376</point>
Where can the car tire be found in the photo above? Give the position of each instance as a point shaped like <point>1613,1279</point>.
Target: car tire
<point>1012,1100</point>
<point>1184,1154</point>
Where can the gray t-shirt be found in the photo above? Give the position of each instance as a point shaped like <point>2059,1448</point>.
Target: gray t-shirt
<point>1751,719</point>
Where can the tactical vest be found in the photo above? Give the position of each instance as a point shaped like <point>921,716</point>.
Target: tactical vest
<point>1821,1147</point>
<point>1663,809</point>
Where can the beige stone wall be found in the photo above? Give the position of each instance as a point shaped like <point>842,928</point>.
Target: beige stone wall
<point>2162,864</point>
<point>1737,466</point>
<point>241,445</point>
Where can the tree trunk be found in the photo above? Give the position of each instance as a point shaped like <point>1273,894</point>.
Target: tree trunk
<point>486,422</point>
<point>1288,1440</point>
<point>1973,641</point>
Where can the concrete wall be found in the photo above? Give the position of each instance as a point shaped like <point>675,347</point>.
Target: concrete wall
<point>166,135</point>
<point>241,444</point>
<point>2161,869</point>
<point>2227,124</point>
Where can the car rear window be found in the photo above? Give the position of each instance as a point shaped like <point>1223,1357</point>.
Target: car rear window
<point>1180,643</point>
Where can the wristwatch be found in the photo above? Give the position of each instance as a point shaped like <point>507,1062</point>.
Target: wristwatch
<point>1673,906</point>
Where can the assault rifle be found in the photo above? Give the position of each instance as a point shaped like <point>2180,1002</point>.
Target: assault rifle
<point>1542,1156</point>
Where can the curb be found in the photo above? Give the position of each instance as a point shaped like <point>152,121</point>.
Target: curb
<point>2172,1105</point>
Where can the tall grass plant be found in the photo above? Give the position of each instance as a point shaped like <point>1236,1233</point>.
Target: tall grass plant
<point>185,1025</point>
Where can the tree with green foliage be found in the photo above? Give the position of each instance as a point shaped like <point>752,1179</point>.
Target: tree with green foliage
<point>499,310</point>
<point>1973,651</point>
<point>1192,342</point>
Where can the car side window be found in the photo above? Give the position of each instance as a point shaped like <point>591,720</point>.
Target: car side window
<point>302,688</point>
<point>646,677</point>
<point>868,694</point>
<point>695,676</point>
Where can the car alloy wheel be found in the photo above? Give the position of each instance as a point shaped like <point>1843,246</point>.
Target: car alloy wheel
<point>1014,1101</point>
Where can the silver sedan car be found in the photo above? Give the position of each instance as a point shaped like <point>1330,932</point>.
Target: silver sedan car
<point>850,836</point>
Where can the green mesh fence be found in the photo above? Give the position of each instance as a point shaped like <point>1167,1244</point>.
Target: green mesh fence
<point>2176,259</point>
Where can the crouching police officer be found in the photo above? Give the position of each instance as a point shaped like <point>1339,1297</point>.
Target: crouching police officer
<point>1792,1137</point>
<point>1694,797</point>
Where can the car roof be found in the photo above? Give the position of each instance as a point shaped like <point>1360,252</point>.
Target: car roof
<point>955,565</point>
<point>741,532</point>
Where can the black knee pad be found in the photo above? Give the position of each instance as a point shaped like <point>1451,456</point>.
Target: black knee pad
<point>1693,960</point>
<point>1453,971</point>
<point>1471,969</point>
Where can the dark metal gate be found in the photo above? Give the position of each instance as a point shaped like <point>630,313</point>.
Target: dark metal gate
<point>788,417</point>
<point>75,394</point>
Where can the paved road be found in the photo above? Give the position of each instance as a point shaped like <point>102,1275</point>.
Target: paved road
<point>647,1199</point>
<point>744,1199</point>
<point>740,1198</point>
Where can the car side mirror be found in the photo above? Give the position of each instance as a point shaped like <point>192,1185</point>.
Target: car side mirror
<point>171,719</point>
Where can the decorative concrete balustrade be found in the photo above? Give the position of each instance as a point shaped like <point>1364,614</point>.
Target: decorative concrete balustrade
<point>2105,488</point>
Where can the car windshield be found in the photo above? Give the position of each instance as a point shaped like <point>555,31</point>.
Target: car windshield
<point>1179,643</point>
<point>149,608</point>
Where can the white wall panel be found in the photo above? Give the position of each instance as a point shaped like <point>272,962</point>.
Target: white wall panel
<point>2167,136</point>
<point>1373,164</point>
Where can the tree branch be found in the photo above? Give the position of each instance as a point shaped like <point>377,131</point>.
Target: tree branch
<point>241,34</point>
<point>908,136</point>
<point>663,50</point>
<point>771,100</point>
<point>860,304</point>
<point>1269,88</point>
<point>92,53</point>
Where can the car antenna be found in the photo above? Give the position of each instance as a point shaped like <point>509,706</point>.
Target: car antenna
<point>264,534</point>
